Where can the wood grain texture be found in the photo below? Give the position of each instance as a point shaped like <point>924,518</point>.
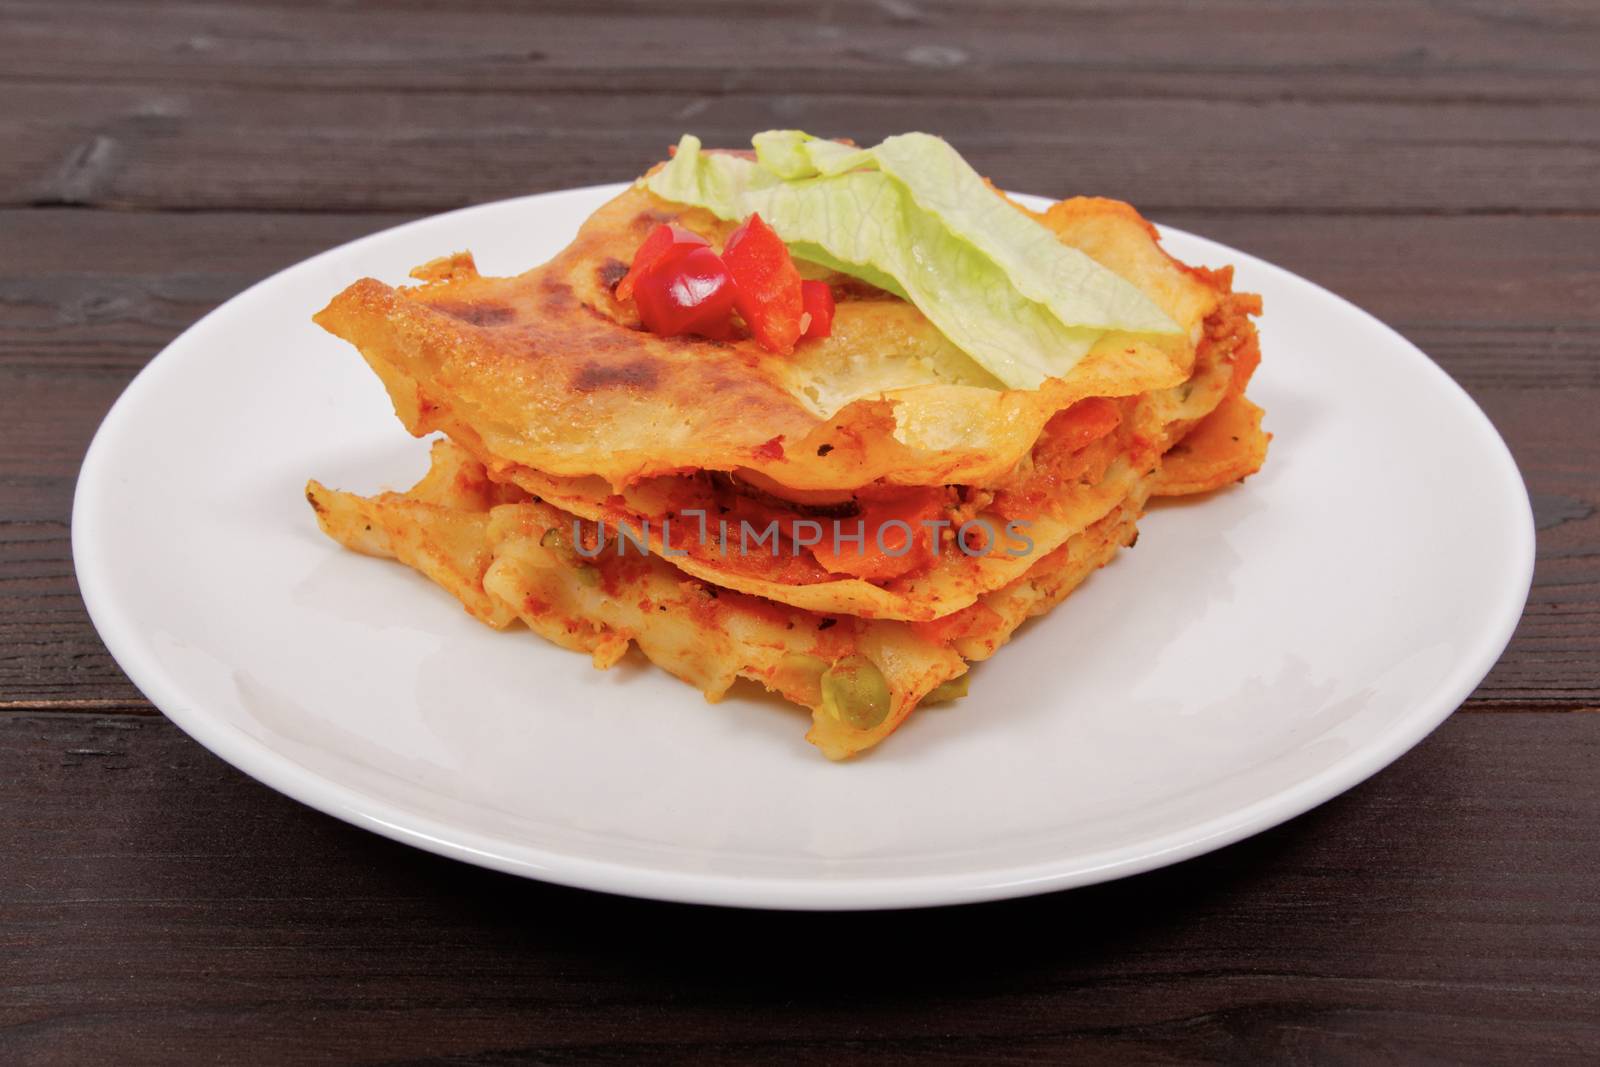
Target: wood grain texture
<point>1439,107</point>
<point>226,148</point>
<point>1472,50</point>
<point>1437,162</point>
<point>158,901</point>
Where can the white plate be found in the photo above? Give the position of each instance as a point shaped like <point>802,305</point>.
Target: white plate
<point>1259,652</point>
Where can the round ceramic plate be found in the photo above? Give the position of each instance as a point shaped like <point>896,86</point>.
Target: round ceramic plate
<point>1262,649</point>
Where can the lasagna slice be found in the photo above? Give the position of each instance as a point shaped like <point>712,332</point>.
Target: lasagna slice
<point>599,483</point>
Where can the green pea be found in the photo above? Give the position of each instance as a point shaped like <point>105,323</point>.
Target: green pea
<point>854,692</point>
<point>944,692</point>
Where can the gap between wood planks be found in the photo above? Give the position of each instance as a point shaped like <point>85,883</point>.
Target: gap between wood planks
<point>1400,95</point>
<point>1149,210</point>
<point>77,707</point>
<point>117,707</point>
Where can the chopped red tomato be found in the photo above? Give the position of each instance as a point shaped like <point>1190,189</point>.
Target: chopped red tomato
<point>1084,423</point>
<point>894,540</point>
<point>665,243</point>
<point>767,284</point>
<point>682,287</point>
<point>816,301</point>
<point>692,294</point>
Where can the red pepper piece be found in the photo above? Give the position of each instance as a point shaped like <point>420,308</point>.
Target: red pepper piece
<point>666,242</point>
<point>816,299</point>
<point>768,284</point>
<point>885,551</point>
<point>686,292</point>
<point>1084,423</point>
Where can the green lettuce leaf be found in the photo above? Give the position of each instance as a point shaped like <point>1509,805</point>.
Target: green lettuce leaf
<point>912,217</point>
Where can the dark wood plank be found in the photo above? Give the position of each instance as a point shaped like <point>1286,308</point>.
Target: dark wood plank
<point>1312,49</point>
<point>1331,106</point>
<point>137,145</point>
<point>77,329</point>
<point>157,903</point>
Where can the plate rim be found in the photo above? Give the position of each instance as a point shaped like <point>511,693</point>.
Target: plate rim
<point>119,631</point>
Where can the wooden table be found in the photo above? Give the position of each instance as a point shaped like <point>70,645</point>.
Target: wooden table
<point>1437,163</point>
